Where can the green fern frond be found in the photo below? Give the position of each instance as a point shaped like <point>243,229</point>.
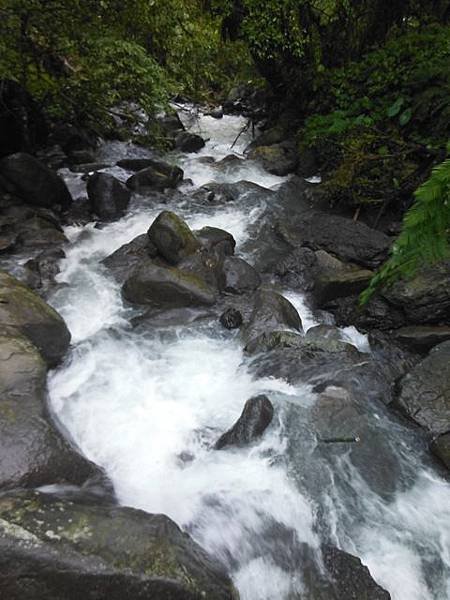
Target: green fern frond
<point>425,236</point>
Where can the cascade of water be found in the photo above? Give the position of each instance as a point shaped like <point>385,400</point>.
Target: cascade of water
<point>148,407</point>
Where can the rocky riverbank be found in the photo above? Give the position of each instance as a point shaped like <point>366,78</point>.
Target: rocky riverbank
<point>71,537</point>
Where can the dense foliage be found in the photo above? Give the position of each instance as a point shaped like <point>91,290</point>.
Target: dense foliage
<point>80,58</point>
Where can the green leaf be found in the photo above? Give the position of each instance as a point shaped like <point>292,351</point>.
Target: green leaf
<point>405,117</point>
<point>394,110</point>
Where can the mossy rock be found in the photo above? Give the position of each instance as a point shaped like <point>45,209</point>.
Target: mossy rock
<point>53,548</point>
<point>172,237</point>
<point>25,311</point>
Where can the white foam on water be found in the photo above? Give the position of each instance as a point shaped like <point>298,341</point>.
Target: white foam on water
<point>148,408</point>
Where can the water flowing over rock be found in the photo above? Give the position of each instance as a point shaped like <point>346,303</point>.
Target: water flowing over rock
<point>32,181</point>
<point>108,196</point>
<point>23,310</point>
<point>254,420</point>
<point>51,548</point>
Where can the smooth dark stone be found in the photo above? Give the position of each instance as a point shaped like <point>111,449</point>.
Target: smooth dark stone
<point>254,420</point>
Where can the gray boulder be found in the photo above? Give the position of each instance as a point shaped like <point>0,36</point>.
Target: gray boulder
<point>122,262</point>
<point>278,159</point>
<point>172,237</point>
<point>33,452</point>
<point>216,240</point>
<point>158,176</point>
<point>53,548</point>
<point>425,392</point>
<point>254,420</point>
<point>166,287</point>
<point>237,276</point>
<point>271,312</point>
<point>108,196</point>
<point>32,181</point>
<point>24,311</point>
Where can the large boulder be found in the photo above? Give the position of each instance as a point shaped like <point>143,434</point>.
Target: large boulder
<point>278,159</point>
<point>254,420</point>
<point>172,237</point>
<point>216,240</point>
<point>33,452</point>
<point>53,548</point>
<point>271,312</point>
<point>24,311</point>
<point>166,287</point>
<point>425,392</point>
<point>33,182</point>
<point>108,196</point>
<point>348,240</point>
<point>189,142</point>
<point>158,176</point>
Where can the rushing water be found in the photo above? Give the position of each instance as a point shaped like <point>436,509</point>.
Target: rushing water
<point>146,407</point>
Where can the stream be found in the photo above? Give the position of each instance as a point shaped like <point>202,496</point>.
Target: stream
<point>146,406</point>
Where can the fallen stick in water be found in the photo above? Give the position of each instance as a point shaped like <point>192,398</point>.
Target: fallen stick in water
<point>340,440</point>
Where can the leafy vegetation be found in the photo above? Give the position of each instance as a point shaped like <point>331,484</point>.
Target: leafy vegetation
<point>79,59</point>
<point>425,237</point>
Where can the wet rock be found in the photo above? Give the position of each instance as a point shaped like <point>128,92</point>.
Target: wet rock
<point>42,270</point>
<point>35,183</point>
<point>351,579</point>
<point>229,162</point>
<point>440,447</point>
<point>254,420</point>
<point>271,312</point>
<point>39,232</point>
<point>79,213</point>
<point>216,113</point>
<point>421,338</point>
<point>348,240</point>
<point>173,317</point>
<point>231,318</point>
<point>53,548</point>
<point>332,284</point>
<point>425,298</point>
<point>376,314</point>
<point>170,123</point>
<point>216,240</point>
<point>424,393</point>
<point>278,159</point>
<point>297,269</point>
<point>33,451</point>
<point>122,262</point>
<point>92,167</point>
<point>166,287</point>
<point>189,142</point>
<point>108,196</point>
<point>79,157</point>
<point>158,176</point>
<point>135,164</point>
<point>237,276</point>
<point>172,237</point>
<point>325,339</point>
<point>24,311</point>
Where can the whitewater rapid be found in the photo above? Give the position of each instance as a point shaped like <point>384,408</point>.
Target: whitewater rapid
<point>147,406</point>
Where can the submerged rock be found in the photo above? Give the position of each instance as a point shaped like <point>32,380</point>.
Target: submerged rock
<point>425,391</point>
<point>172,237</point>
<point>33,182</point>
<point>254,420</point>
<point>166,287</point>
<point>108,196</point>
<point>24,311</point>
<point>158,176</point>
<point>33,452</point>
<point>54,548</point>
